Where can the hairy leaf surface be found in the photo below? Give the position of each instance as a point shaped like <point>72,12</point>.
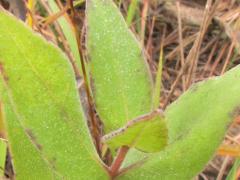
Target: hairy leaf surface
<point>46,127</point>
<point>121,82</point>
<point>147,133</point>
<point>122,85</point>
<point>197,123</point>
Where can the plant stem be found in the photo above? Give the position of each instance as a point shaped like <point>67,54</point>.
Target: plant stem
<point>95,131</point>
<point>114,169</point>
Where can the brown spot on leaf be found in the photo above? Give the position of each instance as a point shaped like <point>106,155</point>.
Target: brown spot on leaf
<point>33,139</point>
<point>53,162</point>
<point>3,72</point>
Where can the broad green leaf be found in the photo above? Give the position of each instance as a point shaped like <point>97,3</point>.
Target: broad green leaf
<point>234,171</point>
<point>147,133</point>
<point>3,153</point>
<point>122,85</point>
<point>197,123</point>
<point>46,127</point>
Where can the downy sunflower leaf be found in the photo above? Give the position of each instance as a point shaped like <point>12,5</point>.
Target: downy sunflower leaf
<point>121,82</point>
<point>46,127</point>
<point>196,123</point>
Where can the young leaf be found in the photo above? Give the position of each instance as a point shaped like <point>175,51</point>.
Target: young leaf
<point>197,123</point>
<point>147,133</point>
<point>122,85</point>
<point>46,128</point>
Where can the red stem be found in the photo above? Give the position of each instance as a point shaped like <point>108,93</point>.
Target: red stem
<point>114,169</point>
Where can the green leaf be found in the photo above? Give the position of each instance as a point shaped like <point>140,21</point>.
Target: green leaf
<point>147,133</point>
<point>3,143</point>
<point>197,123</point>
<point>232,175</point>
<point>3,154</point>
<point>122,85</point>
<point>131,11</point>
<point>158,81</point>
<point>46,127</point>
